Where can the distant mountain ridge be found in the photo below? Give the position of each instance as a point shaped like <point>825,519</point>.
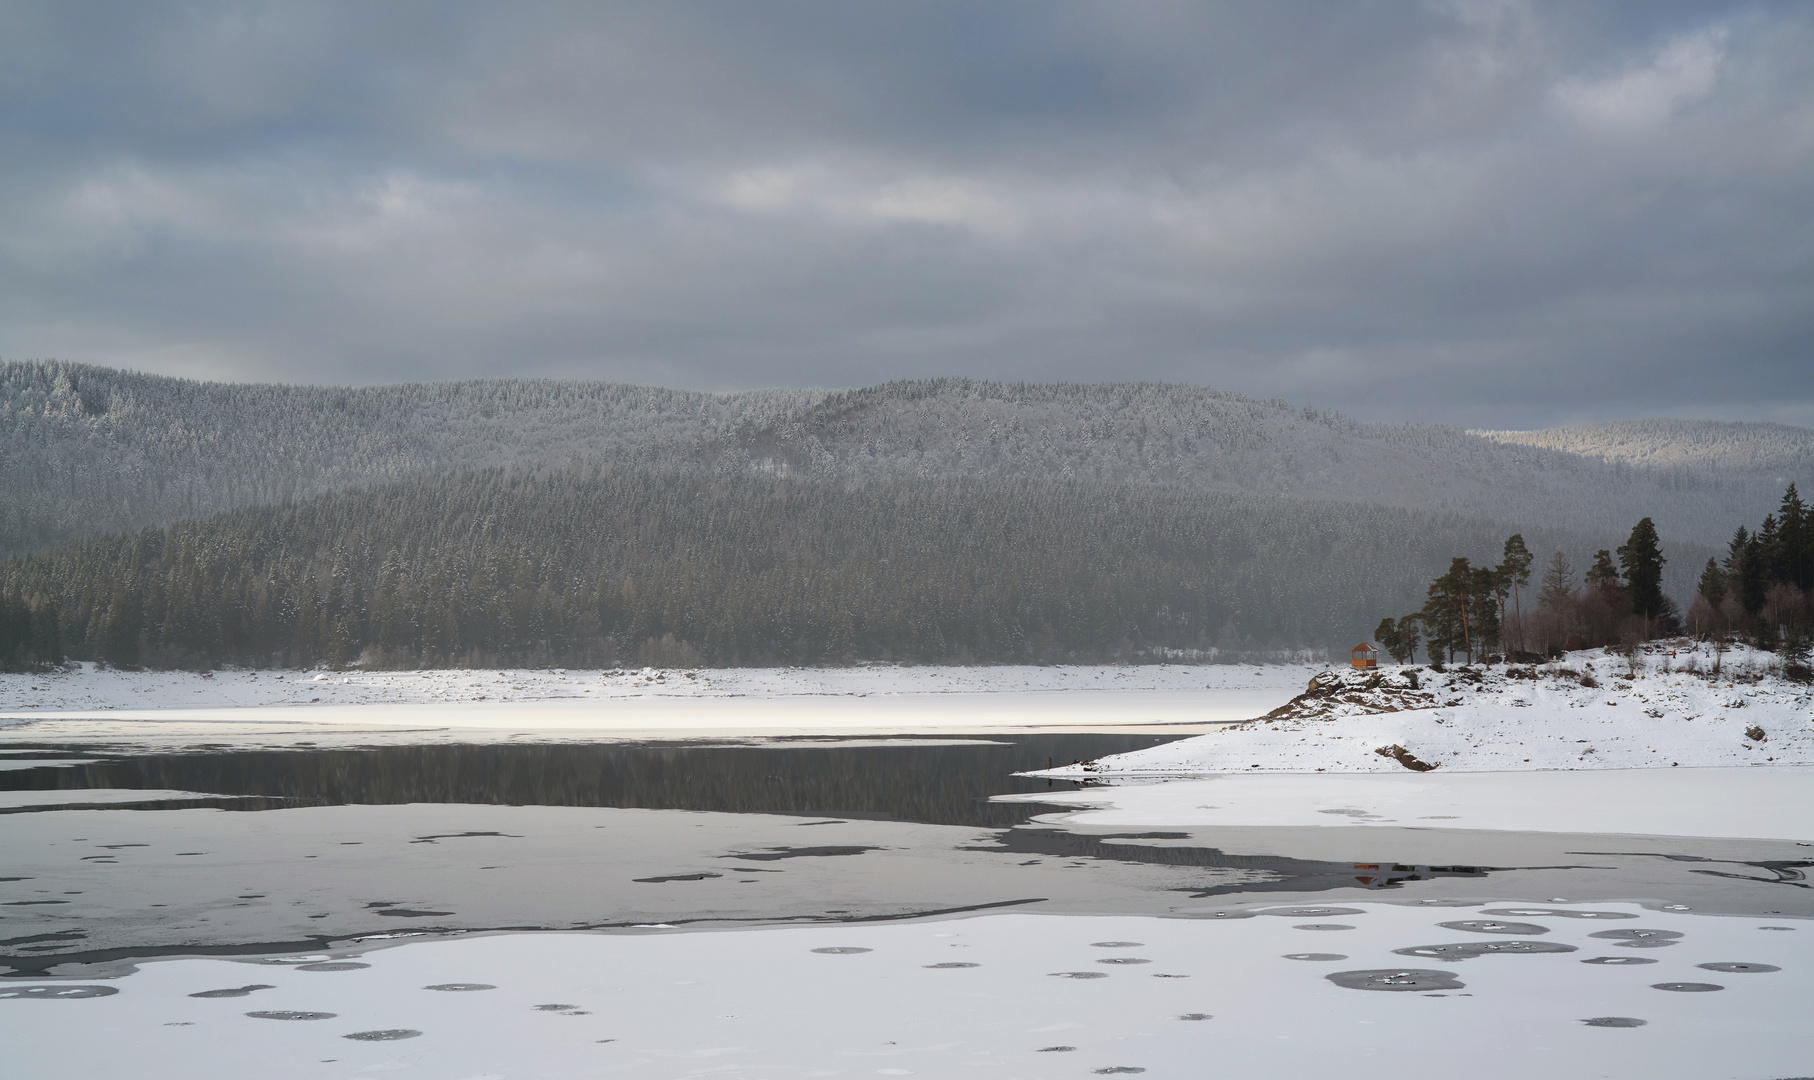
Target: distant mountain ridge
<point>88,450</point>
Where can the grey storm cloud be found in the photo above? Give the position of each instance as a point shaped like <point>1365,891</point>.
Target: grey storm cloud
<point>1479,211</point>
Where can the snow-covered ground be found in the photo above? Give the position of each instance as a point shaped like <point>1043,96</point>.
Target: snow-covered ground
<point>1511,989</point>
<point>769,700</point>
<point>1670,712</point>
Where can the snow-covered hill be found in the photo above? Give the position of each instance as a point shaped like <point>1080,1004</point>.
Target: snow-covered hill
<point>1593,710</point>
<point>86,450</point>
<point>1776,452</point>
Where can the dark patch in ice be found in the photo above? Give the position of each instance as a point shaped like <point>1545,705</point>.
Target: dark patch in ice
<point>1315,956</point>
<point>842,950</point>
<point>772,854</point>
<point>1122,960</point>
<point>1113,1070</point>
<point>1776,928</point>
<point>1396,979</point>
<point>1739,967</point>
<point>1056,1049</point>
<point>1196,1016</point>
<point>1312,912</point>
<point>60,935</point>
<point>232,992</point>
<point>432,837</point>
<point>289,1014</point>
<point>334,965</point>
<point>1558,913</point>
<point>1494,926</point>
<point>32,903</point>
<point>383,1035</point>
<point>460,986</point>
<point>1078,974</point>
<point>1322,926</point>
<point>1468,950</point>
<point>61,992</point>
<point>412,913</point>
<point>1646,944</point>
<point>1448,903</point>
<point>1687,987</point>
<point>1635,934</point>
<point>554,1008</point>
<point>676,877</point>
<point>1614,1021</point>
<point>1626,960</point>
<point>951,964</point>
<point>1116,944</point>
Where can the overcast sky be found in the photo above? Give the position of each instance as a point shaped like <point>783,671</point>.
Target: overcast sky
<point>1489,213</point>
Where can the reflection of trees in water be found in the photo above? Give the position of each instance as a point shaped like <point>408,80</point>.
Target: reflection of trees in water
<point>938,784</point>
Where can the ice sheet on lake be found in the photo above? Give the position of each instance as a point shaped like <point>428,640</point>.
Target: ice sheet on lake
<point>946,998</point>
<point>1754,802</point>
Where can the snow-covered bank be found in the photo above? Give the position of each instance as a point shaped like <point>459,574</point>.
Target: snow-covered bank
<point>1760,803</point>
<point>1593,710</point>
<point>1510,989</point>
<point>765,700</point>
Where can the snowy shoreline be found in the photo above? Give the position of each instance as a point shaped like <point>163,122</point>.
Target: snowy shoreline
<point>1594,710</point>
<point>653,702</point>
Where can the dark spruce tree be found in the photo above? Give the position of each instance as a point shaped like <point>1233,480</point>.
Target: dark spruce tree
<point>1641,559</point>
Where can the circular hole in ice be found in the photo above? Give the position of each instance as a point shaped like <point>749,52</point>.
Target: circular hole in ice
<point>1117,944</point>
<point>1322,926</point>
<point>289,1014</point>
<point>842,950</point>
<point>1079,974</point>
<point>1315,956</point>
<point>1620,960</point>
<point>1396,979</point>
<point>383,1035</point>
<point>952,964</point>
<point>1738,967</point>
<point>1495,926</point>
<point>1122,960</point>
<point>1687,987</point>
<point>62,992</point>
<point>1614,1021</point>
<point>337,965</point>
<point>460,986</point>
<point>1114,1070</point>
<point>1056,1049</point>
<point>1196,1016</point>
<point>1635,934</point>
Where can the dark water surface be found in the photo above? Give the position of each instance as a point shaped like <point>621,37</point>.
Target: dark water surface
<point>907,779</point>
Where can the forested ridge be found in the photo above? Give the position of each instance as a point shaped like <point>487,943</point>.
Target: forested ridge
<point>87,450</point>
<point>601,565</point>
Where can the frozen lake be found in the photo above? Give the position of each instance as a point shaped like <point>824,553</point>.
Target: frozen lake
<point>862,906</point>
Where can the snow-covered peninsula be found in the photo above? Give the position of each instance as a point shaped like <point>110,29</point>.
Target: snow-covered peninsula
<point>1672,705</point>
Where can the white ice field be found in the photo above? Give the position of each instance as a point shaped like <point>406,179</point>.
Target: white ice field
<point>1247,994</point>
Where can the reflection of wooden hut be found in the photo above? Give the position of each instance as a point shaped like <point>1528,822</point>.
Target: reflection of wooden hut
<point>1363,656</point>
